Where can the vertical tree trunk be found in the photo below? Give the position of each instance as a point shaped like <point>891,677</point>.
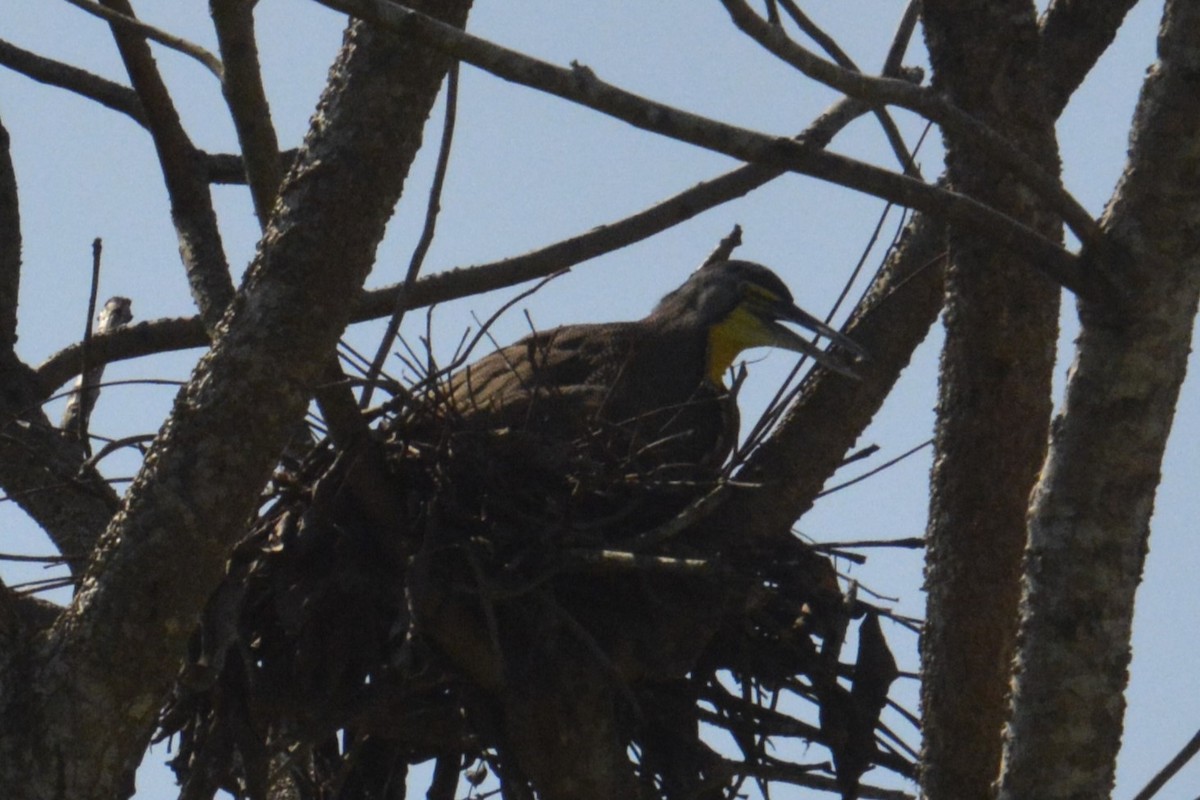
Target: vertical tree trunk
<point>994,400</point>
<point>1090,517</point>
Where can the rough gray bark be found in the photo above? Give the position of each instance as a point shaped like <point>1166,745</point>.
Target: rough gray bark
<point>79,704</point>
<point>1091,510</point>
<point>994,397</point>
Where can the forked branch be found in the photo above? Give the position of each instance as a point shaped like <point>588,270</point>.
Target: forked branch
<point>580,85</point>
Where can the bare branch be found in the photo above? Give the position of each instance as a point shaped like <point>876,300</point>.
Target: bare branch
<point>930,105</point>
<point>230,168</point>
<point>830,46</point>
<point>908,23</point>
<point>581,86</point>
<point>158,336</point>
<point>165,553</point>
<point>55,73</point>
<point>994,403</point>
<point>220,167</point>
<point>724,249</point>
<point>79,405</point>
<point>1074,34</point>
<point>241,82</point>
<point>184,174</point>
<point>144,338</point>
<point>176,43</point>
<point>10,247</point>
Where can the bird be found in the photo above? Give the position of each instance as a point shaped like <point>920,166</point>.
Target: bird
<point>648,394</point>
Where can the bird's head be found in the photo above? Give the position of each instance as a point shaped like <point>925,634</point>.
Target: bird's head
<point>741,305</point>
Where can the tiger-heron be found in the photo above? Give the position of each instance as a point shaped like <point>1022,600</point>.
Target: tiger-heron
<point>652,391</point>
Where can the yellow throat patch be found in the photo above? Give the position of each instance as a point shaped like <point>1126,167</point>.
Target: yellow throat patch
<point>739,331</point>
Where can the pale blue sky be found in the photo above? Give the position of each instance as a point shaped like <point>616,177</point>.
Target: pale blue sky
<point>527,170</point>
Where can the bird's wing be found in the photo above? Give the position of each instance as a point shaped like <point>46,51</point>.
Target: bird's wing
<point>557,378</point>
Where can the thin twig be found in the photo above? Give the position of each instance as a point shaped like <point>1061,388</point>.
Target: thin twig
<point>55,559</point>
<point>621,561</point>
<point>1186,754</point>
<point>930,105</point>
<point>904,32</point>
<point>878,469</point>
<point>119,444</point>
<point>909,543</point>
<point>418,257</point>
<point>176,43</point>
<point>890,131</point>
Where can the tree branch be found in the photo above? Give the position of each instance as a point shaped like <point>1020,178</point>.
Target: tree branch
<point>229,168</point>
<point>241,82</point>
<point>99,679</point>
<point>994,400</point>
<point>1074,34</point>
<point>827,42</point>
<point>55,73</point>
<point>1090,515</point>
<point>176,43</point>
<point>184,174</point>
<point>38,469</point>
<point>165,335</point>
<point>10,247</point>
<point>932,106</point>
<point>581,86</point>
<point>1172,767</point>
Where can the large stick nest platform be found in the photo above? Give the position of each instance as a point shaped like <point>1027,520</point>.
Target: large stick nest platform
<point>523,614</point>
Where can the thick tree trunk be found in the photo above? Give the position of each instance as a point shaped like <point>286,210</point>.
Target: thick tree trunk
<point>1091,512</point>
<point>994,398</point>
<point>79,701</point>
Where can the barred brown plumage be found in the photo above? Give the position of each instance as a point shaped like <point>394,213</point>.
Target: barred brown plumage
<point>650,390</point>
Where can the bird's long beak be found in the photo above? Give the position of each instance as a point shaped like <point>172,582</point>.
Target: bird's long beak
<point>788,339</point>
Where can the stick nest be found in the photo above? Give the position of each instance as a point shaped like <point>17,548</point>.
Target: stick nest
<point>522,613</point>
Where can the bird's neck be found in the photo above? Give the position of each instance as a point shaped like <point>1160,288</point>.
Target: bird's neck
<point>726,340</point>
